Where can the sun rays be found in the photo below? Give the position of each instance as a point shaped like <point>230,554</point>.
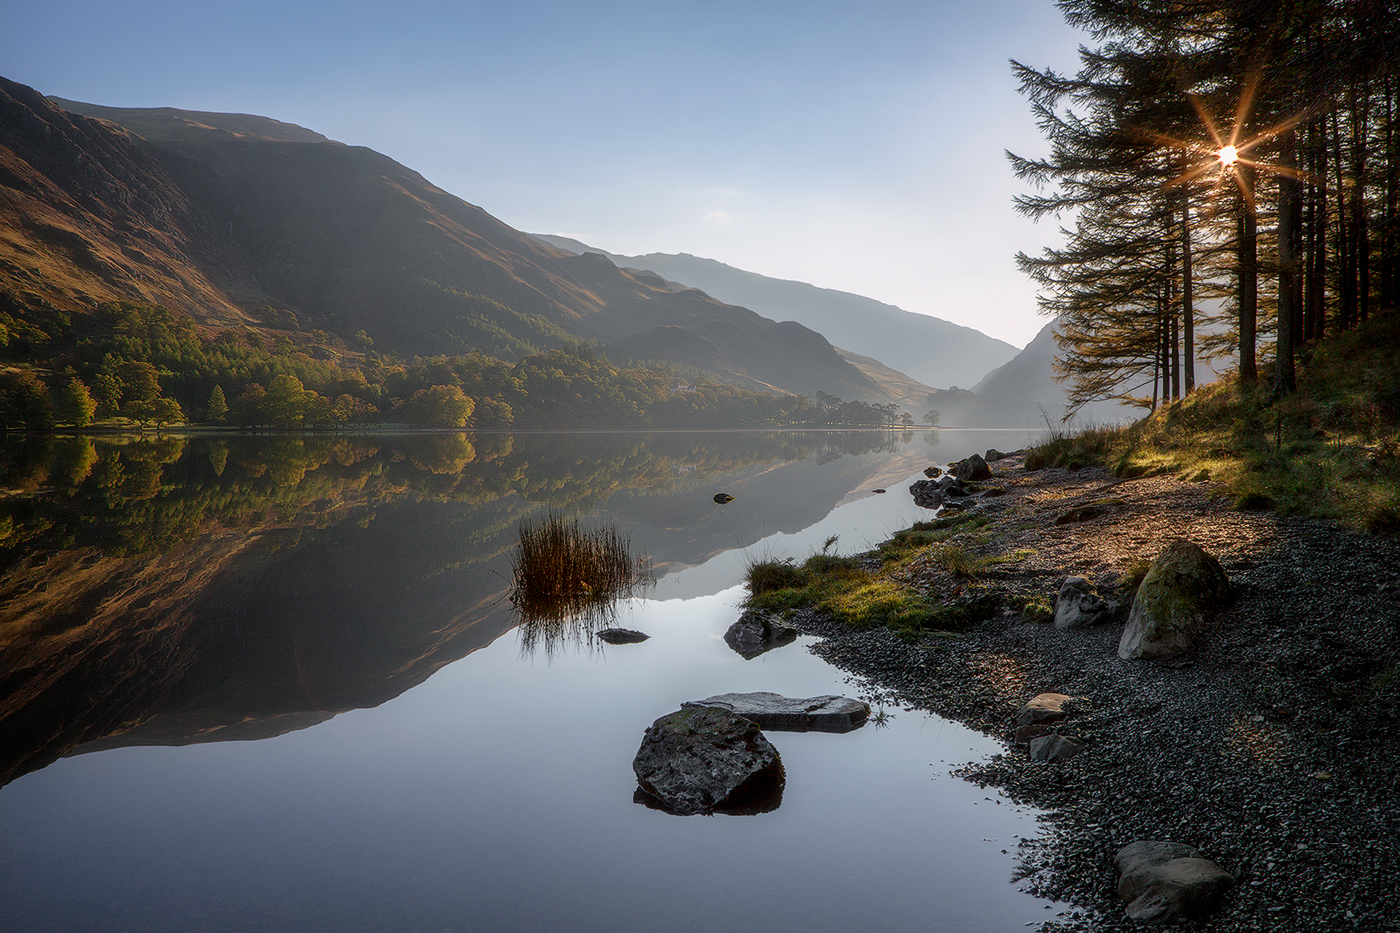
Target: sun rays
<point>1228,155</point>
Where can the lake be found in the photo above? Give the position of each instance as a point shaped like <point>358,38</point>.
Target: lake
<point>276,684</point>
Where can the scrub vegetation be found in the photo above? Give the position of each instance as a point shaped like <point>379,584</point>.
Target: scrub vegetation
<point>1331,449</point>
<point>568,578</point>
<point>875,588</point>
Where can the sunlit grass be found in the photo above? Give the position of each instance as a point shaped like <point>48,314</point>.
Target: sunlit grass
<point>873,589</point>
<point>1331,449</point>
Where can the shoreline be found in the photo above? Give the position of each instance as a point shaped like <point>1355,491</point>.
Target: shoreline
<point>1272,745</point>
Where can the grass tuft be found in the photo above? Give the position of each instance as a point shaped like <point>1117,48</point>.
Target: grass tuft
<point>568,578</point>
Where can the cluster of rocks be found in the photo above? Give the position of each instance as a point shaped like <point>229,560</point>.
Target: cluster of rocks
<point>1260,729</point>
<point>710,756</point>
<point>958,487</point>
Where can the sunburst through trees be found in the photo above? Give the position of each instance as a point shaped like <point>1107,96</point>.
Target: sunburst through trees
<point>1291,205</point>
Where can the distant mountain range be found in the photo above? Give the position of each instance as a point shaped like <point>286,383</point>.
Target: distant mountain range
<point>244,221</point>
<point>932,351</point>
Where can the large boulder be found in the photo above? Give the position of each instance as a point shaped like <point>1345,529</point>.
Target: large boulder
<point>973,468</point>
<point>1184,589</point>
<point>1079,605</point>
<point>705,760</point>
<point>754,633</point>
<point>790,714</point>
<point>1165,882</point>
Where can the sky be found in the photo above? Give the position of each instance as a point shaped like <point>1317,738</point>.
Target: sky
<point>852,146</point>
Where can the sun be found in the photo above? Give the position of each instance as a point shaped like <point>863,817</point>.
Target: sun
<point>1228,156</point>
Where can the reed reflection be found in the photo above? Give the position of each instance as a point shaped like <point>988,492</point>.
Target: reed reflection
<point>568,581</point>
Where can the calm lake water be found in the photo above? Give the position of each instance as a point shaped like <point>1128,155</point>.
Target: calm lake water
<point>275,684</point>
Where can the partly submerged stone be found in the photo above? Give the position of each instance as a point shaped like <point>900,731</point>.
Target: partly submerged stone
<point>755,633</point>
<point>723,498</point>
<point>1164,882</point>
<point>622,636</point>
<point>791,714</point>
<point>1184,589</point>
<point>706,760</point>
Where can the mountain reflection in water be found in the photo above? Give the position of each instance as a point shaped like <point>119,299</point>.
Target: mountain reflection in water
<point>182,592</point>
<point>173,590</point>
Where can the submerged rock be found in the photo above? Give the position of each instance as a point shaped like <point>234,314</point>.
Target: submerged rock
<point>790,714</point>
<point>1184,589</point>
<point>622,636</point>
<point>705,760</point>
<point>755,634</point>
<point>1164,882</point>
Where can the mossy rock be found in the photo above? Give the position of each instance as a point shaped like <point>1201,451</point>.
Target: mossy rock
<point>1185,588</point>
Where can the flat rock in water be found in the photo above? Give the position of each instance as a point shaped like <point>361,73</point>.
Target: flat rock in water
<point>1164,882</point>
<point>790,714</point>
<point>622,636</point>
<point>706,760</point>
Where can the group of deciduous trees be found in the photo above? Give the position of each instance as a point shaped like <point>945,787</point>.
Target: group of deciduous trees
<point>1234,165</point>
<point>151,365</point>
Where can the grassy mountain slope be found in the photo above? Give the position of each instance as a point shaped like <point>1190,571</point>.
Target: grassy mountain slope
<point>234,218</point>
<point>1330,449</point>
<point>87,216</point>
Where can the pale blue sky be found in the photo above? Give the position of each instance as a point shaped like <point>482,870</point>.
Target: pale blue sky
<point>853,146</point>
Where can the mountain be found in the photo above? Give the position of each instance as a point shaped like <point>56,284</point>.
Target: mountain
<point>241,220</point>
<point>1027,384</point>
<point>930,350</point>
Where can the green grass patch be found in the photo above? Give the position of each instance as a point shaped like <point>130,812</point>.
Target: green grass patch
<point>869,590</point>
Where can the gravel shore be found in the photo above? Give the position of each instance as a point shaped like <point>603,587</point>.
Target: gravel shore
<point>1271,746</point>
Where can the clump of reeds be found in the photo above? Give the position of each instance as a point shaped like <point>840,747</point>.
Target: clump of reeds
<point>569,577</point>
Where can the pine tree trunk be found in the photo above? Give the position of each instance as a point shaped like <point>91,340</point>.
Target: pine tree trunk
<point>1360,130</point>
<point>1346,271</point>
<point>1285,381</point>
<point>1247,273</point>
<point>1188,313</point>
